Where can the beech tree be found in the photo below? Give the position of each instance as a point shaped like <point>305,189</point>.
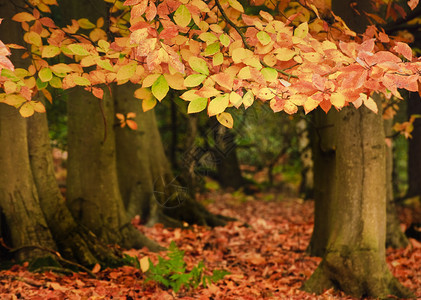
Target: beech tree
<point>223,57</point>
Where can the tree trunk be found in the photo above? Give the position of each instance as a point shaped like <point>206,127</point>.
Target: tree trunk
<point>395,237</point>
<point>25,223</point>
<point>306,189</point>
<point>74,242</point>
<point>354,260</point>
<point>147,184</point>
<point>224,151</point>
<point>324,149</point>
<point>414,148</point>
<point>18,194</point>
<point>93,193</point>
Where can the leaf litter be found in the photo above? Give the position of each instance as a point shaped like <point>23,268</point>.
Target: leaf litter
<point>264,251</point>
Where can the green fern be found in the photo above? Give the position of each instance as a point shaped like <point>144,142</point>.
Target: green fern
<point>172,272</point>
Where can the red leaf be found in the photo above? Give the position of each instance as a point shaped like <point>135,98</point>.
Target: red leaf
<point>403,49</point>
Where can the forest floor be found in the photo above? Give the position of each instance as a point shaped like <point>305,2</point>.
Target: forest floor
<point>266,258</point>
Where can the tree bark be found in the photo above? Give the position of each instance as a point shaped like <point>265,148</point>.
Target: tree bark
<point>93,192</point>
<point>147,184</point>
<point>324,149</point>
<point>354,260</point>
<point>74,242</point>
<point>25,222</point>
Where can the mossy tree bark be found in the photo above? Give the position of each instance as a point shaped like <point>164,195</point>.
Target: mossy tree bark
<point>93,192</point>
<point>147,183</point>
<point>25,222</point>
<point>354,260</point>
<point>324,153</point>
<point>74,242</point>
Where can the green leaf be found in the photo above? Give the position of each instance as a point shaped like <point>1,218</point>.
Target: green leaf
<point>194,80</point>
<point>45,74</point>
<point>105,64</point>
<point>160,88</point>
<point>78,49</point>
<point>126,72</point>
<point>197,105</point>
<point>263,37</point>
<point>50,51</point>
<point>82,81</point>
<point>218,59</point>
<point>269,74</point>
<point>41,84</point>
<point>56,82</point>
<point>198,65</point>
<point>218,105</point>
<point>211,49</point>
<point>224,39</point>
<point>182,16</point>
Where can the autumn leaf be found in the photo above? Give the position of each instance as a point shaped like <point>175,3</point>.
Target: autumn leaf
<point>197,105</point>
<point>160,88</point>
<point>403,49</point>
<point>218,105</point>
<point>182,16</point>
<point>225,119</point>
<point>199,65</point>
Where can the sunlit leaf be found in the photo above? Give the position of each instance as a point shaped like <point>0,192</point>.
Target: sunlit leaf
<point>45,74</point>
<point>199,65</point>
<point>218,105</point>
<point>197,105</point>
<point>194,80</point>
<point>182,16</point>
<point>225,119</point>
<point>160,88</point>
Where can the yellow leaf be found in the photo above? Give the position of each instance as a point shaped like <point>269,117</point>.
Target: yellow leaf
<point>38,106</point>
<point>85,24</point>
<point>148,104</point>
<point>225,119</point>
<point>182,16</point>
<point>126,71</point>
<point>236,99</point>
<point>175,81</point>
<point>371,104</point>
<point>78,49</point>
<point>236,5</point>
<point>337,100</point>
<point>284,54</point>
<point>33,38</point>
<point>197,105</point>
<point>50,51</point>
<point>248,99</point>
<point>26,110</point>
<point>82,81</point>
<point>61,68</point>
<point>144,264</point>
<point>45,74</point>
<point>310,104</point>
<point>218,59</point>
<point>302,30</point>
<point>143,93</point>
<point>14,100</point>
<point>194,80</point>
<point>266,93</point>
<point>218,105</point>
<point>150,79</point>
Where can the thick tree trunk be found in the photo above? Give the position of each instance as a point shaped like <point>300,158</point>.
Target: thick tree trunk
<point>324,150</point>
<point>93,193</point>
<point>18,195</point>
<point>74,242</point>
<point>147,184</point>
<point>414,148</point>
<point>306,155</point>
<point>354,260</point>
